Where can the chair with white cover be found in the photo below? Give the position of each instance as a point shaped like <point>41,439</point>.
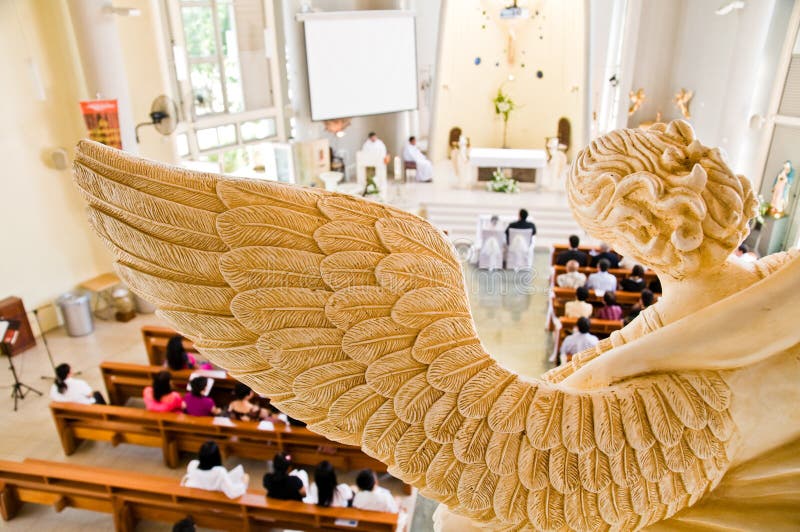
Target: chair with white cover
<point>520,249</point>
<point>365,160</point>
<point>491,254</point>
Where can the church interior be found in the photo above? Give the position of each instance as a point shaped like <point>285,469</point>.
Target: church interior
<point>404,265</point>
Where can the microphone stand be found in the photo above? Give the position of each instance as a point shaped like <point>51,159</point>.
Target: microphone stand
<point>47,348</point>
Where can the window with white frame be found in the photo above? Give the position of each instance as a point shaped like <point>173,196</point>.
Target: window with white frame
<point>224,72</point>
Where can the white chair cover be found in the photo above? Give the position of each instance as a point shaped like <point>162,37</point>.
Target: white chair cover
<point>520,249</point>
<point>491,254</point>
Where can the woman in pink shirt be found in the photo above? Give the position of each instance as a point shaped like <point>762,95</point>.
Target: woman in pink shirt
<point>609,311</point>
<point>159,397</point>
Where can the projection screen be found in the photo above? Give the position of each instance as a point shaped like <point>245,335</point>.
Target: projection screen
<point>360,63</point>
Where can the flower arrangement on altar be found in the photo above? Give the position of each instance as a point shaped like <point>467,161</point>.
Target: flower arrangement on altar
<point>501,183</point>
<point>503,105</point>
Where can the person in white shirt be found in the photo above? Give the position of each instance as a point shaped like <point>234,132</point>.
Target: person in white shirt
<point>412,154</point>
<point>67,389</point>
<point>573,278</point>
<point>371,496</point>
<point>579,308</point>
<point>579,340</point>
<point>375,145</point>
<point>208,473</point>
<point>601,280</point>
<point>325,490</point>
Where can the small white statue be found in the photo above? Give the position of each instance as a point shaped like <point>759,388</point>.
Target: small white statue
<point>556,166</point>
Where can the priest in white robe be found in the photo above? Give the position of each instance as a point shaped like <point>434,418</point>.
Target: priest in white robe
<point>374,145</point>
<point>411,153</point>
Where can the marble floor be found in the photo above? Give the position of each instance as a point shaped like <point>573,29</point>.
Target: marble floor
<point>509,310</point>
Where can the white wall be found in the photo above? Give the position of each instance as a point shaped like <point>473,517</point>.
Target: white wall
<point>466,91</point>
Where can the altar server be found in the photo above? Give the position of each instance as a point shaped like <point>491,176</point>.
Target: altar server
<point>412,154</point>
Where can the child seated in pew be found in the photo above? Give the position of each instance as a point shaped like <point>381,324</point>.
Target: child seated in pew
<point>579,307</point>
<point>326,490</point>
<point>68,389</point>
<point>285,482</point>
<point>242,407</point>
<point>159,397</point>
<point>371,496</point>
<point>196,402</point>
<point>208,473</point>
<point>610,310</point>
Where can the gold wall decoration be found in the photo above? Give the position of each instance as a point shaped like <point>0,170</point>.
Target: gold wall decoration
<point>637,98</point>
<point>682,99</point>
<point>353,317</point>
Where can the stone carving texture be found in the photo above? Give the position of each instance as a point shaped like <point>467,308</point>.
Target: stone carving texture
<point>352,316</point>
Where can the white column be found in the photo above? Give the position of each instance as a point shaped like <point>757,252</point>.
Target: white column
<point>103,63</point>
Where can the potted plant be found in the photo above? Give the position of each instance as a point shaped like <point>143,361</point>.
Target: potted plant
<point>503,105</point>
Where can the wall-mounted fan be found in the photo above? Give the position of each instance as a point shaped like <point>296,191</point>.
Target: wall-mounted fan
<point>163,116</point>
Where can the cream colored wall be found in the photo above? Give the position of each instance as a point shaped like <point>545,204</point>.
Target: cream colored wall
<point>465,91</point>
<point>47,245</point>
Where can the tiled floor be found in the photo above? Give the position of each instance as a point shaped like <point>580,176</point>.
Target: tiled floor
<point>509,311</point>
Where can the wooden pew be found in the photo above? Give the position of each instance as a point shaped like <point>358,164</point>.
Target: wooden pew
<point>562,295</point>
<point>619,273</point>
<point>600,328</point>
<point>155,343</point>
<point>124,381</point>
<point>175,433</point>
<point>130,497</point>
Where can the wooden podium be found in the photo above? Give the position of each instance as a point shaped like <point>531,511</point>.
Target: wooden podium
<point>11,308</point>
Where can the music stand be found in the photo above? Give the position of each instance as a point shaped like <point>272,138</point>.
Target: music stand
<point>9,332</point>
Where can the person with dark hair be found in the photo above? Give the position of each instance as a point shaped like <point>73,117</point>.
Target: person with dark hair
<point>375,146</point>
<point>579,307</point>
<point>573,253</point>
<point>177,357</point>
<point>607,254</point>
<point>370,496</point>
<point>196,402</point>
<point>208,473</point>
<point>521,223</point>
<point>610,310</point>
<point>423,166</point>
<point>635,281</point>
<point>184,525</point>
<point>242,407</point>
<point>68,389</point>
<point>159,397</point>
<point>281,483</point>
<point>572,278</point>
<point>579,340</point>
<point>325,490</point>
<point>601,280</point>
<point>646,298</point>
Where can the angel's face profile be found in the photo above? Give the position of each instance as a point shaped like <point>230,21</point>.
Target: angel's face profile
<point>662,198</point>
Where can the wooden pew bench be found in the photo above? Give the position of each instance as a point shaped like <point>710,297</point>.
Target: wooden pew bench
<point>619,273</point>
<point>130,497</point>
<point>124,381</point>
<point>562,295</point>
<point>155,343</point>
<point>600,328</point>
<point>175,433</point>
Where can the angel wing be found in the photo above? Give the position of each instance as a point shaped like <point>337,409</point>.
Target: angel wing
<point>352,316</point>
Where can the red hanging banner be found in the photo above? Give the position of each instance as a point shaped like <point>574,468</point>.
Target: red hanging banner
<point>102,121</point>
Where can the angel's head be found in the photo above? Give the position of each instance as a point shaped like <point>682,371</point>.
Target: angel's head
<point>661,198</point>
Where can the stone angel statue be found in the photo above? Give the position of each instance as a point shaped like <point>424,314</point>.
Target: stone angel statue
<point>352,316</point>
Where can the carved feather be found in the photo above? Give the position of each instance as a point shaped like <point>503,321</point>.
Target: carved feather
<point>414,398</point>
<point>353,408</point>
<point>386,375</point>
<point>424,306</point>
<point>381,433</point>
<point>703,443</point>
<point>347,236</point>
<point>174,295</point>
<point>405,236</point>
<point>564,473</point>
<point>264,267</point>
<point>403,272</point>
<point>371,339</point>
<point>711,387</point>
<point>267,309</point>
<point>534,466</point>
<point>481,391</point>
<point>476,486</point>
<point>245,193</point>
<point>666,426</point>
<point>443,419</point>
<point>624,467</point>
<point>581,511</point>
<point>415,451</point>
<point>502,453</point>
<point>679,457</point>
<point>348,209</point>
<point>442,336</point>
<point>350,306</point>
<point>510,500</point>
<point>269,226</point>
<point>651,463</point>
<point>322,385</point>
<point>546,509</point>
<point>455,367</point>
<point>445,471</point>
<point>577,427</point>
<point>634,420</point>
<point>544,418</point>
<point>209,326</point>
<point>297,349</point>
<point>614,505</point>
<point>721,424</point>
<point>471,441</point>
<point>594,469</point>
<point>684,400</point>
<point>350,268</point>
<point>236,357</point>
<point>510,411</point>
<point>608,429</point>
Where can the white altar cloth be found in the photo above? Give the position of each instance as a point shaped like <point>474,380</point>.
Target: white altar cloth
<point>507,158</point>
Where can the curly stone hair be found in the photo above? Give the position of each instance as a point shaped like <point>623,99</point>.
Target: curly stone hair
<point>661,197</point>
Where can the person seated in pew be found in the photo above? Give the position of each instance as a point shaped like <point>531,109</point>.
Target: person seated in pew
<point>285,482</point>
<point>68,389</point>
<point>177,358</point>
<point>159,397</point>
<point>607,254</point>
<point>579,307</point>
<point>521,223</point>
<point>646,298</point>
<point>370,496</point>
<point>184,525</point>
<point>573,278</point>
<point>242,407</point>
<point>579,340</point>
<point>196,402</point>
<point>208,473</point>
<point>573,253</point>
<point>635,281</point>
<point>601,280</point>
<point>326,490</point>
<point>610,310</point>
